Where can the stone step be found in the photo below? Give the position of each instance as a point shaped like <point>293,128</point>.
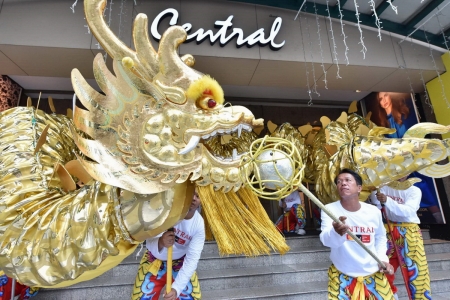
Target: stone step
<point>297,291</point>
<point>302,248</point>
<point>436,296</point>
<point>235,272</point>
<point>212,264</point>
<point>292,272</point>
<point>251,276</point>
<point>440,282</point>
<point>436,246</point>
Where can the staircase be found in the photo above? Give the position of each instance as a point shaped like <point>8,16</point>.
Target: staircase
<point>299,274</point>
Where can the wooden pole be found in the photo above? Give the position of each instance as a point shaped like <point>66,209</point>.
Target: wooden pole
<point>169,270</point>
<point>169,266</point>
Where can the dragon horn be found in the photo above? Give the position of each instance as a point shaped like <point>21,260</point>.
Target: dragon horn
<point>93,10</point>
<point>171,65</point>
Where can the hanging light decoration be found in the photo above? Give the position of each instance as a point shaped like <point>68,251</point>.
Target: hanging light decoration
<point>320,46</point>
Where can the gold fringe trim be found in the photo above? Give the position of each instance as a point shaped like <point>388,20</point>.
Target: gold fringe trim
<point>208,233</point>
<point>239,223</point>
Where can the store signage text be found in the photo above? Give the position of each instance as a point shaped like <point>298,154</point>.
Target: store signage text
<point>221,34</point>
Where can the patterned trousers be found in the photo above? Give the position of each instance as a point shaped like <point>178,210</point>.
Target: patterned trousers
<point>409,242</point>
<point>151,279</point>
<point>371,287</point>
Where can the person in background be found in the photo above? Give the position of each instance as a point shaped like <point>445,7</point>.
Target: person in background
<point>187,239</point>
<point>354,274</point>
<point>293,216</point>
<point>400,208</point>
<point>394,112</point>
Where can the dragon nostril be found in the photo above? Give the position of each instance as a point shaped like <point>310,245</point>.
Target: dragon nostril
<point>211,103</point>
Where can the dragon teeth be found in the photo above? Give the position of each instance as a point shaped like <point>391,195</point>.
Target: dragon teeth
<point>193,142</point>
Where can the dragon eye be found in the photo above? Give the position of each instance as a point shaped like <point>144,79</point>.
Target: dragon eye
<point>211,103</point>
<point>206,103</point>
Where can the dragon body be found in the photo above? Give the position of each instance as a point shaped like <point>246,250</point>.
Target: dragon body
<point>143,144</point>
<point>356,143</point>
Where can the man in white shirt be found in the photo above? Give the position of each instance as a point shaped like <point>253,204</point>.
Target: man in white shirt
<point>187,239</point>
<point>355,274</point>
<point>401,207</point>
<point>293,217</point>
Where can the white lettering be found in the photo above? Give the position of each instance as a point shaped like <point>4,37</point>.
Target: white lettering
<point>221,34</point>
<point>173,21</point>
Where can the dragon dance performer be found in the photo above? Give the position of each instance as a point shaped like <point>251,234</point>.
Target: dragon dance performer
<point>401,209</point>
<point>187,239</point>
<point>293,217</point>
<point>354,274</point>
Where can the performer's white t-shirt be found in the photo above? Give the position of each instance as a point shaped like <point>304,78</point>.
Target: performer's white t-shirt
<point>291,199</point>
<point>189,241</point>
<point>401,206</point>
<point>347,256</point>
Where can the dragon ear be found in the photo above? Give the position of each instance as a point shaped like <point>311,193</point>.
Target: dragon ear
<point>52,106</point>
<point>271,126</point>
<point>353,107</point>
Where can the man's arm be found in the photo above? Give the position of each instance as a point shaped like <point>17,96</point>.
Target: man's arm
<point>152,244</point>
<point>329,237</point>
<point>374,200</point>
<point>191,259</point>
<point>380,239</point>
<point>412,199</point>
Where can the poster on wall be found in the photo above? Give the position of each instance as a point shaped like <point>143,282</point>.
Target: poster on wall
<point>397,110</point>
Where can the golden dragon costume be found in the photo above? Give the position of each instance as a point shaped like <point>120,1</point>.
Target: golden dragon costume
<point>356,143</point>
<point>143,144</point>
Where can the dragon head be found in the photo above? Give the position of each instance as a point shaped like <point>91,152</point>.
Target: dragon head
<point>154,125</point>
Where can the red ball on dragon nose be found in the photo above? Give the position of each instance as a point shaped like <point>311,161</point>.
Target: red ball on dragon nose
<point>211,103</point>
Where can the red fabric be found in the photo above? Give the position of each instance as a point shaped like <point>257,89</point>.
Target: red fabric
<point>282,226</point>
<point>352,286</point>
<point>5,289</point>
<point>393,260</point>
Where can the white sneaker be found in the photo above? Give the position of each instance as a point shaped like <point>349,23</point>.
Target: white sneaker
<point>300,231</point>
<point>395,296</point>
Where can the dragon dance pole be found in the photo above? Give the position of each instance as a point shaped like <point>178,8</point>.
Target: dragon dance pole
<point>169,270</point>
<point>169,267</point>
<point>13,288</point>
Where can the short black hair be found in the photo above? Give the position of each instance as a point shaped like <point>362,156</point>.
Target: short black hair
<point>355,175</point>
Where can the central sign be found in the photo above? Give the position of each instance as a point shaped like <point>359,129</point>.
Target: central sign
<point>221,34</point>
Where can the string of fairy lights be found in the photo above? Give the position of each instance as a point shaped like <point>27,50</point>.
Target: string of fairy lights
<point>358,24</point>
<point>313,88</point>
<point>320,47</point>
<point>334,51</point>
<point>342,32</point>
<point>310,102</point>
<point>377,19</point>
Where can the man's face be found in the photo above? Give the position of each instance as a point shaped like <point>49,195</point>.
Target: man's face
<point>195,201</point>
<point>347,186</point>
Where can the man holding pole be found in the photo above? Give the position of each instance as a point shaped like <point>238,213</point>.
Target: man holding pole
<point>405,243</point>
<point>354,273</point>
<point>186,240</point>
